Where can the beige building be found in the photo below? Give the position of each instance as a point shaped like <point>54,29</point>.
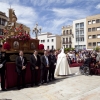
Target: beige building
<point>67,37</point>
<point>93,31</point>
<point>3,20</point>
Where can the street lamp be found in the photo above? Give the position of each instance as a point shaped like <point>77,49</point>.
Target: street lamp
<point>36,30</point>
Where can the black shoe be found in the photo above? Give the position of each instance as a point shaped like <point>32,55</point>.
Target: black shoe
<point>18,88</point>
<point>4,89</point>
<point>32,85</point>
<point>49,80</point>
<point>42,82</point>
<point>24,86</point>
<point>53,79</point>
<point>37,85</point>
<point>45,82</point>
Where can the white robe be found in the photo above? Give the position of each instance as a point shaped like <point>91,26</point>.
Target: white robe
<point>62,67</point>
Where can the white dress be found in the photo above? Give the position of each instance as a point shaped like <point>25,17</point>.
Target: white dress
<point>62,67</point>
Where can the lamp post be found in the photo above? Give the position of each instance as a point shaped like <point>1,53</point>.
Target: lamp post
<point>36,30</point>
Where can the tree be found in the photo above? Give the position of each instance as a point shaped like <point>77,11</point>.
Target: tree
<point>97,49</point>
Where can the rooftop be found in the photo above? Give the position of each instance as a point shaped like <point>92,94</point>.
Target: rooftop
<point>3,14</point>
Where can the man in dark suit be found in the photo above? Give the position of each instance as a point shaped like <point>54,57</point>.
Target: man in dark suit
<point>35,64</point>
<point>52,64</point>
<point>2,68</point>
<point>21,64</point>
<point>45,66</point>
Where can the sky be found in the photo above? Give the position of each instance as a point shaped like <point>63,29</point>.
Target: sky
<point>50,15</point>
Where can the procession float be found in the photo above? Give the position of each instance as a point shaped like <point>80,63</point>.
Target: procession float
<point>16,38</point>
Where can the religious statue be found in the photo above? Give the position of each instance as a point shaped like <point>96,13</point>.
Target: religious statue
<point>11,24</point>
<point>36,30</point>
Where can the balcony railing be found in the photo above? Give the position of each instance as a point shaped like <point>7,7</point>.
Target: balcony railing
<point>67,42</point>
<point>63,43</point>
<point>70,41</point>
<point>67,34</point>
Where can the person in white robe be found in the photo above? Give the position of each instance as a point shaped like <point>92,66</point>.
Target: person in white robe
<point>62,66</point>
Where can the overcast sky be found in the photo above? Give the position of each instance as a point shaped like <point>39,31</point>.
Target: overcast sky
<point>51,15</point>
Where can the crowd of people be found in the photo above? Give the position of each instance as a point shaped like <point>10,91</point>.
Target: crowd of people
<point>47,64</point>
<point>81,56</point>
<point>90,58</point>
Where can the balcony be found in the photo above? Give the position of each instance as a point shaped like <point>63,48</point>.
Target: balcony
<point>63,42</point>
<point>67,34</point>
<point>70,42</point>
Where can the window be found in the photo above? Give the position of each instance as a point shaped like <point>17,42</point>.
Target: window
<point>52,40</point>
<point>63,40</point>
<point>89,22</point>
<point>48,40</point>
<point>47,47</point>
<point>81,25</point>
<point>77,39</point>
<point>93,29</point>
<point>89,37</point>
<point>77,32</point>
<point>0,21</point>
<point>93,21</point>
<point>98,28</point>
<point>81,31</point>
<point>94,36</point>
<point>89,29</point>
<point>66,40</point>
<point>64,32</point>
<point>94,43</point>
<point>52,47</point>
<point>70,31</point>
<point>70,39</point>
<point>98,35</point>
<point>43,40</point>
<point>98,21</point>
<point>66,46</point>
<point>1,31</point>
<point>98,43</point>
<point>81,39</point>
<point>77,25</point>
<point>90,44</point>
<point>69,46</point>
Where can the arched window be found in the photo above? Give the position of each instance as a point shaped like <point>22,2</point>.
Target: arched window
<point>64,32</point>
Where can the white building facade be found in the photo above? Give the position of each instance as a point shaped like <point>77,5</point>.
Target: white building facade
<point>50,41</point>
<point>80,35</point>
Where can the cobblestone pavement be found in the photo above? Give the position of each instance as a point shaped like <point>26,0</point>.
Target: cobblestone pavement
<point>73,87</point>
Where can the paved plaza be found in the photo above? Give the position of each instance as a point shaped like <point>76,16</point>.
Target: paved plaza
<point>73,87</point>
